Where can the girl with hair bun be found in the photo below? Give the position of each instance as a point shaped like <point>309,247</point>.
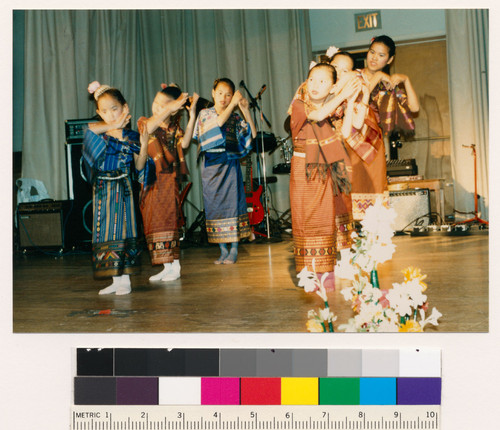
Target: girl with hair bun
<point>112,153</point>
<point>160,205</point>
<point>320,177</point>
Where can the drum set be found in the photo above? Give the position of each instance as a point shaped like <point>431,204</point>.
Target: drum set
<point>272,143</point>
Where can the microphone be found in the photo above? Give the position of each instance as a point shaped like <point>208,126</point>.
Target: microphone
<point>264,87</point>
<point>242,83</point>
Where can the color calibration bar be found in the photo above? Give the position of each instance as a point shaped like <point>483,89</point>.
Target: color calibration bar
<point>257,377</point>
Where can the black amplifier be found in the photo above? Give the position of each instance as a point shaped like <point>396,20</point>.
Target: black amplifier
<point>406,167</point>
<point>75,129</point>
<point>41,224</point>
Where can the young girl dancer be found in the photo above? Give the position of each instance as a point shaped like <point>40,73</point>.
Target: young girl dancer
<point>320,177</point>
<point>224,138</point>
<point>160,205</point>
<point>364,144</point>
<point>110,152</point>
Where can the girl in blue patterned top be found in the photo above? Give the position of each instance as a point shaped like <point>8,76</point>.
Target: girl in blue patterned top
<point>224,138</point>
<point>111,153</point>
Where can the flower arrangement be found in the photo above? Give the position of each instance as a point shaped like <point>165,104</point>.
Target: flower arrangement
<point>400,309</point>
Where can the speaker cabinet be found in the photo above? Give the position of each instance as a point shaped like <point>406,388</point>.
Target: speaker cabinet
<point>40,225</point>
<point>79,224</point>
<point>411,206</point>
<point>78,187</point>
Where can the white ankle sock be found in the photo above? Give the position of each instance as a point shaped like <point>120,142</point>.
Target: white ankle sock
<point>174,273</point>
<point>167,267</point>
<point>124,286</point>
<point>113,287</point>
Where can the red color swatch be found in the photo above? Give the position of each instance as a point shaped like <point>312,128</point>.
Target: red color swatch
<point>261,391</point>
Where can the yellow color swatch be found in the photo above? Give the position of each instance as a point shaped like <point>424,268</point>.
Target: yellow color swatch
<point>299,391</point>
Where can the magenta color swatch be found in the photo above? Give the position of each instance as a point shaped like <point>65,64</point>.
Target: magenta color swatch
<point>220,391</point>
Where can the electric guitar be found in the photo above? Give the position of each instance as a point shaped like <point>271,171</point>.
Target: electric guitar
<point>254,206</point>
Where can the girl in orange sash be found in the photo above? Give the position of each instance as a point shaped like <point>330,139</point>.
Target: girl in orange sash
<point>320,179</point>
<point>160,205</point>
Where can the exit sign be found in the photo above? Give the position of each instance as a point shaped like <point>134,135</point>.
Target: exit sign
<point>368,20</point>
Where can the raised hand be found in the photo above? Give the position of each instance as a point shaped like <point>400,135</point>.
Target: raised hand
<point>243,104</point>
<point>144,136</point>
<point>177,104</point>
<point>397,78</point>
<point>123,119</point>
<point>351,88</point>
<point>192,108</point>
<point>237,96</point>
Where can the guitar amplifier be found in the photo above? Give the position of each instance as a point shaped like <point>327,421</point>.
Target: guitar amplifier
<point>40,224</point>
<point>411,206</point>
<point>75,129</point>
<point>406,167</point>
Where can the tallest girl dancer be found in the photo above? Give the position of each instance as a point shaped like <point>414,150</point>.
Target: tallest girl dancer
<point>389,103</point>
<point>224,138</point>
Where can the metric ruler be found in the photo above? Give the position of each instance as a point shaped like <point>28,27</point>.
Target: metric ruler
<point>323,417</point>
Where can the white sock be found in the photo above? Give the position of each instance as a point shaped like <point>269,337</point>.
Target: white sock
<point>175,272</point>
<point>124,286</point>
<point>176,266</point>
<point>167,267</point>
<point>113,287</point>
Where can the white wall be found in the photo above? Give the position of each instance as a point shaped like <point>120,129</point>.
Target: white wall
<point>337,27</point>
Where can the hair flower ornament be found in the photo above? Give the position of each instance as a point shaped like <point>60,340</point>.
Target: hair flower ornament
<point>331,51</point>
<point>93,87</point>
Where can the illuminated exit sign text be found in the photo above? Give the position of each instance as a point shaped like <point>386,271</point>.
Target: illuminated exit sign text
<point>368,21</point>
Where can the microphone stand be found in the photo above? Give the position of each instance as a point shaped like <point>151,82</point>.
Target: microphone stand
<point>254,105</point>
<point>266,209</point>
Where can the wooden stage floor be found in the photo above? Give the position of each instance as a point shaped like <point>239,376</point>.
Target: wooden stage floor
<point>258,294</point>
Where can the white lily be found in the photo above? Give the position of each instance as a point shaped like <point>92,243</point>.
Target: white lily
<point>431,319</point>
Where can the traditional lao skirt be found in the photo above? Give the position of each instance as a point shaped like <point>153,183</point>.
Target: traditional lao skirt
<point>321,221</point>
<point>319,200</point>
<point>224,199</point>
<point>114,237</point>
<point>160,204</point>
<point>366,151</point>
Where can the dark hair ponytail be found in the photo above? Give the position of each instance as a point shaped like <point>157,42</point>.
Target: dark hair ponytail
<point>387,41</point>
<point>172,91</point>
<point>113,92</point>
<point>226,81</point>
